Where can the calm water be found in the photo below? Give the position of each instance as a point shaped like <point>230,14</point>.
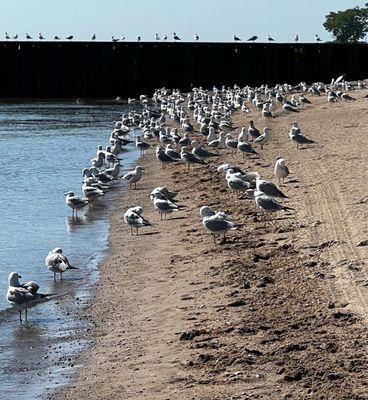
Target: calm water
<point>43,149</point>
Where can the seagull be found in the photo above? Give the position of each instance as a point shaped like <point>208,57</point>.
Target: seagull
<point>287,107</point>
<point>196,37</point>
<point>122,38</point>
<point>7,37</point>
<point>164,38</point>
<point>164,192</point>
<point>217,224</point>
<point>270,39</point>
<point>281,170</point>
<point>75,202</point>
<point>134,219</point>
<point>297,137</point>
<point>235,182</point>
<point>20,295</point>
<point>246,148</point>
<point>253,131</point>
<point>157,37</point>
<point>56,37</point>
<point>189,158</point>
<point>91,192</point>
<point>93,37</point>
<point>141,145</point>
<point>264,138</point>
<point>56,262</point>
<point>253,39</point>
<point>163,157</point>
<point>134,176</point>
<point>40,36</point>
<point>138,38</point>
<point>15,37</point>
<point>267,203</point>
<point>296,39</point>
<point>176,37</point>
<point>206,211</point>
<point>163,205</point>
<point>114,39</point>
<point>236,38</point>
<point>172,152</point>
<point>70,37</point>
<point>201,152</point>
<point>269,188</point>
<point>28,37</point>
<point>318,39</point>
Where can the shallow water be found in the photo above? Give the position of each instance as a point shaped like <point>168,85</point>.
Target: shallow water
<point>43,148</point>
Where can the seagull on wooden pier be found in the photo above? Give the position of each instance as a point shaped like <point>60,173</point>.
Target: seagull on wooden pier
<point>40,36</point>
<point>56,37</point>
<point>157,37</point>
<point>296,39</point>
<point>176,37</point>
<point>138,38</point>
<point>114,39</point>
<point>70,37</point>
<point>318,39</point>
<point>164,38</point>
<point>196,37</point>
<point>15,37</point>
<point>7,37</point>
<point>236,38</point>
<point>28,37</point>
<point>270,39</point>
<point>253,39</point>
<point>93,37</point>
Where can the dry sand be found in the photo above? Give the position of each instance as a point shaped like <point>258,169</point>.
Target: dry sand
<point>279,311</point>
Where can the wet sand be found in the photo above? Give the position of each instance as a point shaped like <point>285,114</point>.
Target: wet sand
<point>278,311</point>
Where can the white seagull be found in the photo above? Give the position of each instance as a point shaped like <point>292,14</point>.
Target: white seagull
<point>134,176</point>
<point>134,219</point>
<point>21,295</point>
<point>57,262</point>
<point>281,170</point>
<point>75,202</point>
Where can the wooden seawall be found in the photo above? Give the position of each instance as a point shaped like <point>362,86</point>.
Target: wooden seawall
<point>107,70</point>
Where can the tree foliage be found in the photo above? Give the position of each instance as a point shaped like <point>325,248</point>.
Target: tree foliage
<point>350,25</point>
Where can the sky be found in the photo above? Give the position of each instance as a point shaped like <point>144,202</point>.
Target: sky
<point>213,20</point>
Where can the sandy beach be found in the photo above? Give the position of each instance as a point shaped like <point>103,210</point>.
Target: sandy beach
<point>278,311</point>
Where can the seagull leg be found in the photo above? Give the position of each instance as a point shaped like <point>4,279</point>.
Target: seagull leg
<point>26,317</point>
<point>214,238</point>
<point>54,276</point>
<point>137,231</point>
<point>131,231</point>
<point>61,276</point>
<point>20,315</point>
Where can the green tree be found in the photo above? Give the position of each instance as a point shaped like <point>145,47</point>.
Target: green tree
<point>350,25</point>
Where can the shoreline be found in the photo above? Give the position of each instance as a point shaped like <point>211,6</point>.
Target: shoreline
<point>264,315</point>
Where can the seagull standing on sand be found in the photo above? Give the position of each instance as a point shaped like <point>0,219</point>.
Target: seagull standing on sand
<point>57,262</point>
<point>281,170</point>
<point>134,176</point>
<point>20,295</point>
<point>134,219</point>
<point>269,188</point>
<point>75,202</point>
<point>264,138</point>
<point>190,158</point>
<point>297,137</point>
<point>163,157</point>
<point>217,224</point>
<point>267,203</point>
<point>141,145</point>
<point>163,205</point>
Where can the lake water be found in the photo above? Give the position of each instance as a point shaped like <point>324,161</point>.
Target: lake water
<point>43,149</point>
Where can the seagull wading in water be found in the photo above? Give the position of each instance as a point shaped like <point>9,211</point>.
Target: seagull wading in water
<point>22,295</point>
<point>75,202</point>
<point>57,262</point>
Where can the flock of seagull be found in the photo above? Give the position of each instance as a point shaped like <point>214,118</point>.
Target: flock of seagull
<point>188,129</point>
<point>138,38</point>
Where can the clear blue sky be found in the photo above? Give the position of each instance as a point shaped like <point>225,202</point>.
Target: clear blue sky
<point>214,20</point>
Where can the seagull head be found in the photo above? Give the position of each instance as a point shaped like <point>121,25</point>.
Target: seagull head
<point>14,279</point>
<point>206,211</point>
<point>67,194</point>
<point>139,168</point>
